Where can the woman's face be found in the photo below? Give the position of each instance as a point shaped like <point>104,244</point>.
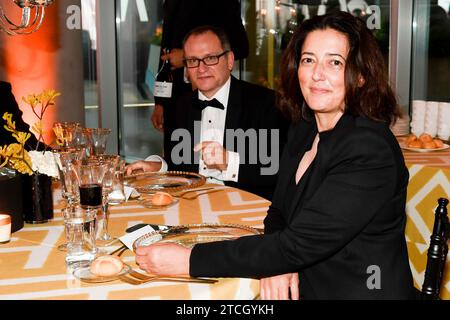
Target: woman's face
<point>321,71</point>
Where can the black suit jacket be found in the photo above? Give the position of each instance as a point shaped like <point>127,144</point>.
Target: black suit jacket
<point>8,104</point>
<point>343,223</point>
<point>249,107</point>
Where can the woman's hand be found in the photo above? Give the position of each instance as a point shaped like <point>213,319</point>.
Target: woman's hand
<point>277,287</point>
<point>164,259</point>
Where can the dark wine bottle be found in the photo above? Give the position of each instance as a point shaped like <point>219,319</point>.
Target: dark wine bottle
<point>164,81</point>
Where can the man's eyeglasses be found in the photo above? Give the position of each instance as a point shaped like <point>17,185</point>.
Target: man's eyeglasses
<point>208,61</point>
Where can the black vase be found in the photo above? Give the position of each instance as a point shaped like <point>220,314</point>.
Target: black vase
<point>37,198</point>
<point>11,201</point>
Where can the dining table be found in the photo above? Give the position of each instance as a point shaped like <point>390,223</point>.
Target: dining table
<point>429,180</point>
<point>32,267</point>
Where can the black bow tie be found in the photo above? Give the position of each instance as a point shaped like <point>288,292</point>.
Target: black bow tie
<point>202,104</point>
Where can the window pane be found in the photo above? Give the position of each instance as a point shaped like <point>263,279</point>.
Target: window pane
<point>431,51</point>
<point>270,25</point>
<point>89,34</point>
<point>138,37</point>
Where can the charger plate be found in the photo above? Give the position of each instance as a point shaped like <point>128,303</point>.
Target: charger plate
<point>171,181</point>
<point>190,235</point>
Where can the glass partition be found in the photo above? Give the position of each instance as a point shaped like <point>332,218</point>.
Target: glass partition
<point>138,38</point>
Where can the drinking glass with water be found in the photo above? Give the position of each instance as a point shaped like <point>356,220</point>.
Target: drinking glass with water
<point>79,226</point>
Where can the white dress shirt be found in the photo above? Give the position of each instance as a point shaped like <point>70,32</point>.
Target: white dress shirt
<point>213,129</point>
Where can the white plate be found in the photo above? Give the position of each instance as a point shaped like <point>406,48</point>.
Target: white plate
<point>85,275</point>
<point>445,147</point>
<point>189,235</point>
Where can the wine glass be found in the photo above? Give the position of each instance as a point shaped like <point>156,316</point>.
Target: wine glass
<point>97,138</point>
<point>111,162</point>
<point>70,192</point>
<point>89,175</point>
<point>64,132</point>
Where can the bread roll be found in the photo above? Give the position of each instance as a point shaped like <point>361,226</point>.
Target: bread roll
<point>106,266</point>
<point>415,144</point>
<point>162,199</point>
<point>425,137</point>
<point>438,143</point>
<point>429,145</point>
<point>411,138</point>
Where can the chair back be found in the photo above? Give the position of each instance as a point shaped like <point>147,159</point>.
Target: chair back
<point>437,253</point>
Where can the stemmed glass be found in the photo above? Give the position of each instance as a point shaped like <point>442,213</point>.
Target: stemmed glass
<point>97,138</point>
<point>64,132</point>
<point>110,162</point>
<point>70,192</point>
<point>89,175</point>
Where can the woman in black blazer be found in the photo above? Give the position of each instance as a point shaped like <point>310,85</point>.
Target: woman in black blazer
<point>336,226</point>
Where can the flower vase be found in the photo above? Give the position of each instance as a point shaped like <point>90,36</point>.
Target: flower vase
<point>37,198</point>
<point>11,201</point>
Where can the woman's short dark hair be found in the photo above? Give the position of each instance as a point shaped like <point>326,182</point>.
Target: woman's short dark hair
<point>220,33</point>
<point>373,98</point>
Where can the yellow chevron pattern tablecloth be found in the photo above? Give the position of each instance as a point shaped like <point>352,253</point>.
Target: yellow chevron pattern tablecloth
<point>31,266</point>
<point>429,180</point>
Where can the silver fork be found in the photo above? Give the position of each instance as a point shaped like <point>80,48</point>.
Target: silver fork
<point>195,196</point>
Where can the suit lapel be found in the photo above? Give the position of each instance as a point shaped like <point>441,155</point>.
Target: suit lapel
<point>194,115</point>
<point>234,108</point>
<point>303,142</point>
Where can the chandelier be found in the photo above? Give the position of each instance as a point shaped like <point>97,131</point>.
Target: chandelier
<point>33,12</point>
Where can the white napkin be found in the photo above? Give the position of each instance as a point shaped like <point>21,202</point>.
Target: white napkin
<point>431,118</point>
<point>444,121</point>
<point>129,238</point>
<point>129,191</point>
<point>419,108</point>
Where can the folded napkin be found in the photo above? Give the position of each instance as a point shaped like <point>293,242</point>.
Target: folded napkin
<point>431,118</point>
<point>129,238</point>
<point>444,121</point>
<point>130,192</point>
<point>419,108</point>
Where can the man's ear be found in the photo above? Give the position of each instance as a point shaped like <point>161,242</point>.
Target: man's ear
<point>230,60</point>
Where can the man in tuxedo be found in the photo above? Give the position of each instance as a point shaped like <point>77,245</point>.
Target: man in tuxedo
<point>233,125</point>
<point>8,104</point>
<point>181,16</point>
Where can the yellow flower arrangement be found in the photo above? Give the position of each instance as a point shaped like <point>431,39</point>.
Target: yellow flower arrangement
<point>14,155</point>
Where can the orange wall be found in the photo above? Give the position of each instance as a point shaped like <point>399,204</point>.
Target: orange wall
<point>30,61</point>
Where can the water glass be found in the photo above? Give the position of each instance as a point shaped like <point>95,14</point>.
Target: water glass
<point>117,195</point>
<point>79,226</point>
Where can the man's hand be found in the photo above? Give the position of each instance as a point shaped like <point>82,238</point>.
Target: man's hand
<point>158,117</point>
<point>164,259</point>
<point>213,154</point>
<point>150,166</point>
<point>277,287</point>
<point>175,57</point>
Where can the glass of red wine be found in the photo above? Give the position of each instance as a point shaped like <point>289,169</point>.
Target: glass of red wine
<point>89,176</point>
